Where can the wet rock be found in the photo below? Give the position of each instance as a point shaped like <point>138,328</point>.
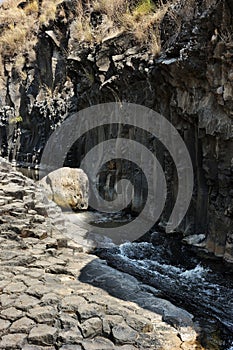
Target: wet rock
<point>194,239</point>
<point>177,317</point>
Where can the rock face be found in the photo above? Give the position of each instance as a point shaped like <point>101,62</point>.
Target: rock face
<point>44,302</point>
<point>67,187</point>
<point>190,83</point>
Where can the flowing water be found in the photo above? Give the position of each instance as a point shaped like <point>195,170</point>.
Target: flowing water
<point>198,283</point>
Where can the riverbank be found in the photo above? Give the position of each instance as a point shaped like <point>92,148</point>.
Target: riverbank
<point>45,301</point>
<point>189,81</point>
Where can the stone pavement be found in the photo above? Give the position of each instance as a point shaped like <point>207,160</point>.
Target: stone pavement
<point>47,296</point>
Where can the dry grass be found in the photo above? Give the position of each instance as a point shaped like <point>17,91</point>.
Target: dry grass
<point>144,23</point>
<point>9,4</point>
<point>48,11</point>
<point>111,8</point>
<point>141,18</point>
<point>32,8</point>
<point>17,27</point>
<point>82,31</point>
<point>19,65</point>
<point>11,15</point>
<point>12,39</point>
<point>1,72</point>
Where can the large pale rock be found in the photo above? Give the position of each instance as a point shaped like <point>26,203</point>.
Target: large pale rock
<point>68,187</point>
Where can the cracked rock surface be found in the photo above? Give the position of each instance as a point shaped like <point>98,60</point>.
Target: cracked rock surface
<point>190,82</point>
<point>47,300</point>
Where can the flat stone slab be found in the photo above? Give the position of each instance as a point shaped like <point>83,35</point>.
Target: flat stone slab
<point>43,335</point>
<point>4,324</point>
<point>13,341</point>
<point>55,296</point>
<point>22,325</point>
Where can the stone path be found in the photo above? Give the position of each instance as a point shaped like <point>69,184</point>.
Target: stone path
<point>53,295</point>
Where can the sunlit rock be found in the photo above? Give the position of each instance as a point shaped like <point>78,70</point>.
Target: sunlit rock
<point>67,187</point>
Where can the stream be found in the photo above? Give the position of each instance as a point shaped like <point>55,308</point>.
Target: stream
<point>193,280</point>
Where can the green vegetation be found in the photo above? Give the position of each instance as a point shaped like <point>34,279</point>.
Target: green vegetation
<point>144,7</point>
<point>16,120</point>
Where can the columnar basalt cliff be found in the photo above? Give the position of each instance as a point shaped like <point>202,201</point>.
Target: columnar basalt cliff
<point>190,82</point>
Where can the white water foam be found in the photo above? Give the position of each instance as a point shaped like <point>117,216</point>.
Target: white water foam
<point>137,253</point>
<point>199,272</point>
<point>136,250</point>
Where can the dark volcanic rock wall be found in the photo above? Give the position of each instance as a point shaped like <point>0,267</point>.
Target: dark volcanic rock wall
<point>190,83</point>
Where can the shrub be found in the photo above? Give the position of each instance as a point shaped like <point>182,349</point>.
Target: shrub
<point>16,120</point>
<point>144,7</point>
<point>32,8</point>
<point>13,39</point>
<point>17,28</point>
<point>141,18</point>
<point>48,11</point>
